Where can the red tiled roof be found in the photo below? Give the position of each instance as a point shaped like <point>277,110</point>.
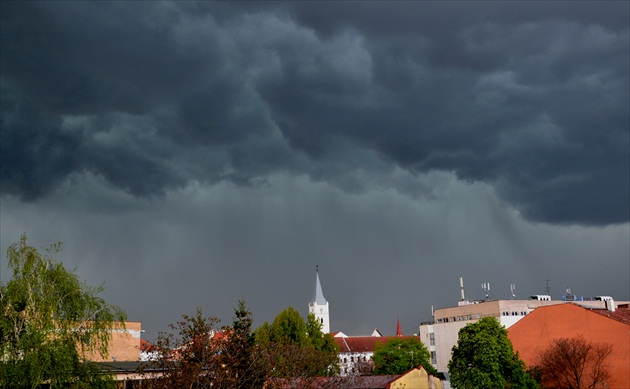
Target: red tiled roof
<point>357,382</point>
<point>620,314</point>
<point>352,382</point>
<point>220,335</point>
<point>362,344</point>
<point>145,345</point>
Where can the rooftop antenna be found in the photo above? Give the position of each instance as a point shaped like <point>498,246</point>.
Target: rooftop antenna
<point>547,288</point>
<point>461,288</point>
<point>486,288</point>
<point>512,289</point>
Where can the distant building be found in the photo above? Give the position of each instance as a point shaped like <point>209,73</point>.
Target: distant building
<point>440,335</point>
<point>319,306</point>
<point>124,345</point>
<point>357,351</point>
<point>534,334</point>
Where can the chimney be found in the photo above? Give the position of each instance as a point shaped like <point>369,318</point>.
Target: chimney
<point>610,305</point>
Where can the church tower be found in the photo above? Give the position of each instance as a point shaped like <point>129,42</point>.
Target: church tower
<point>319,305</point>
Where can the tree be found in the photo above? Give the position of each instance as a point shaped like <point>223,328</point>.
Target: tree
<point>50,322</point>
<point>291,347</point>
<point>399,355</point>
<point>574,363</point>
<point>187,357</point>
<point>194,355</point>
<point>484,358</point>
<point>239,353</point>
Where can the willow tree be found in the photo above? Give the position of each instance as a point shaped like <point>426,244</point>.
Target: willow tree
<point>50,322</point>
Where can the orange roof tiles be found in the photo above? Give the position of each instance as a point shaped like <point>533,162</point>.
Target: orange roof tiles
<point>620,314</point>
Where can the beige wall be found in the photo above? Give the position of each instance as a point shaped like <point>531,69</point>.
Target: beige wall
<point>124,344</point>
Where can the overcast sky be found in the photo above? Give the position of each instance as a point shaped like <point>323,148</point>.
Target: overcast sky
<point>189,154</point>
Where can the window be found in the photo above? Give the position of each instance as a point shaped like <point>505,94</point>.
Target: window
<point>433,358</point>
<point>432,339</point>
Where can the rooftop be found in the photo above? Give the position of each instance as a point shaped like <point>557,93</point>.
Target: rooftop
<point>361,344</point>
<point>620,314</point>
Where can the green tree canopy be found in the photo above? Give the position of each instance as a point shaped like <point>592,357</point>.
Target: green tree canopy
<point>289,328</point>
<point>401,354</point>
<point>296,348</point>
<point>484,358</point>
<point>50,321</point>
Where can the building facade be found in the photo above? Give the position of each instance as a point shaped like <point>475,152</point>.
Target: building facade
<point>355,352</point>
<point>535,333</point>
<point>441,335</point>
<point>124,344</point>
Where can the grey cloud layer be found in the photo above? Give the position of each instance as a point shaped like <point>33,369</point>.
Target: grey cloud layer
<point>532,99</point>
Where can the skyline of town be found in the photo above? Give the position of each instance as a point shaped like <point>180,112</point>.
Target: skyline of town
<point>189,154</point>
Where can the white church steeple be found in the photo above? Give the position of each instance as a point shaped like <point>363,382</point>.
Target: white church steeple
<point>319,306</point>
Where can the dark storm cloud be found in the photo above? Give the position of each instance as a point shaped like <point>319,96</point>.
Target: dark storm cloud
<point>531,98</point>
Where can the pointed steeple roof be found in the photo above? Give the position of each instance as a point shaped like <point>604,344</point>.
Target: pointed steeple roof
<point>398,329</point>
<point>318,297</point>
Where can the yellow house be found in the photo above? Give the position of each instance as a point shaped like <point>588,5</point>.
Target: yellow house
<point>417,378</point>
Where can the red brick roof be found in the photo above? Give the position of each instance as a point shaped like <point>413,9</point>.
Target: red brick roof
<point>356,382</point>
<point>362,344</point>
<point>620,314</point>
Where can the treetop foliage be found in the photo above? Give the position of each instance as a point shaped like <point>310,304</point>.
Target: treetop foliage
<point>484,358</point>
<point>239,358</point>
<point>401,354</point>
<point>300,346</point>
<point>50,322</point>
